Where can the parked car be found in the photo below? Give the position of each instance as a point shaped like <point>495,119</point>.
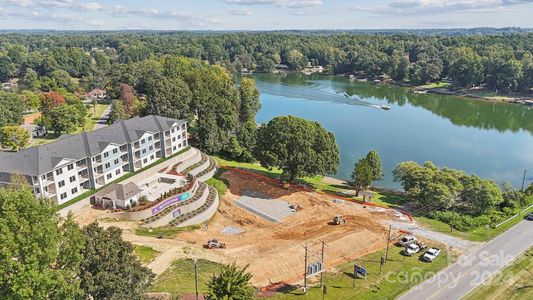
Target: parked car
<point>530,217</point>
<point>431,254</point>
<point>406,240</point>
<point>411,249</point>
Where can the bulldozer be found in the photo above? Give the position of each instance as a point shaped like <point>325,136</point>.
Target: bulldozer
<point>338,220</point>
<point>215,244</point>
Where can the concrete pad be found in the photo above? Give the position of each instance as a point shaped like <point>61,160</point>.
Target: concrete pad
<point>273,210</point>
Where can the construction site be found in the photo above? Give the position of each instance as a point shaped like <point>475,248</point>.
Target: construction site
<point>267,226</point>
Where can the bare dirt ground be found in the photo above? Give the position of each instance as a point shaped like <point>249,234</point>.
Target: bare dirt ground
<point>273,251</point>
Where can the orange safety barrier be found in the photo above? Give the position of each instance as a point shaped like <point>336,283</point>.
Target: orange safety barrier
<point>306,189</point>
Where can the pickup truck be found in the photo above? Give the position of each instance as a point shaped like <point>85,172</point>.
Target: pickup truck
<point>431,254</point>
<point>411,249</point>
<point>406,240</point>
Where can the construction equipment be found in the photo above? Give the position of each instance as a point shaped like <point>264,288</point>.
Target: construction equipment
<point>215,244</point>
<point>338,220</point>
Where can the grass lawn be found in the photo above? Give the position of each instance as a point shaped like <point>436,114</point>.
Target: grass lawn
<point>145,254</point>
<point>93,116</point>
<point>219,184</point>
<point>166,232</point>
<point>435,85</point>
<point>398,275</point>
<point>388,199</point>
<point>513,282</point>
<point>179,278</point>
<point>479,235</point>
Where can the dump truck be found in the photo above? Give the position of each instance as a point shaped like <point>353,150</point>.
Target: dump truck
<point>338,220</point>
<point>215,244</point>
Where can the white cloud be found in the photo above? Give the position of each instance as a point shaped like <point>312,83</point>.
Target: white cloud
<point>21,3</point>
<point>241,11</point>
<point>279,3</point>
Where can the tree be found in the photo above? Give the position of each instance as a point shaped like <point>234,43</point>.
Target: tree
<point>298,147</point>
<point>11,109</point>
<point>109,269</point>
<point>246,132</point>
<point>361,175</point>
<point>39,257</point>
<point>31,79</point>
<point>265,64</point>
<point>374,161</point>
<point>128,99</point>
<point>64,118</point>
<point>62,79</point>
<point>296,60</point>
<point>30,99</point>
<point>14,137</point>
<point>50,100</point>
<point>466,68</point>
<point>168,97</point>
<point>7,68</point>
<point>118,111</point>
<point>231,283</point>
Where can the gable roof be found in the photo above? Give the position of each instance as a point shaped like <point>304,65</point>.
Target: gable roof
<point>42,159</point>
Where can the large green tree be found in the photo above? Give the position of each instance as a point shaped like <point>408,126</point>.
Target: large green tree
<point>11,109</point>
<point>298,147</point>
<point>230,283</point>
<point>110,269</point>
<point>466,68</point>
<point>64,118</point>
<point>374,162</point>
<point>361,175</point>
<point>14,137</point>
<point>39,258</point>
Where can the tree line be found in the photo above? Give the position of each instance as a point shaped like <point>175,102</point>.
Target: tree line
<point>501,62</point>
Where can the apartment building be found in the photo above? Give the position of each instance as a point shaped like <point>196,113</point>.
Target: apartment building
<point>64,169</point>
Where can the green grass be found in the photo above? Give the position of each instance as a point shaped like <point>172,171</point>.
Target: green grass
<point>179,278</point>
<point>513,282</point>
<point>166,232</point>
<point>388,199</point>
<point>219,184</point>
<point>92,192</point>
<point>479,234</point>
<point>398,275</point>
<point>93,116</point>
<point>435,85</point>
<point>145,254</point>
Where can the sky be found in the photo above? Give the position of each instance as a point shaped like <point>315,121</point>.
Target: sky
<point>263,14</point>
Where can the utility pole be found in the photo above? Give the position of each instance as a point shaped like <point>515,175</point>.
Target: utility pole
<point>322,260</point>
<point>523,180</point>
<point>388,243</point>
<point>305,271</point>
<point>196,277</point>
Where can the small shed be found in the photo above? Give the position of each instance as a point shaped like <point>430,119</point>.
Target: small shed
<point>118,196</point>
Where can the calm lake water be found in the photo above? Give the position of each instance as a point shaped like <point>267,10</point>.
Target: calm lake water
<point>491,140</point>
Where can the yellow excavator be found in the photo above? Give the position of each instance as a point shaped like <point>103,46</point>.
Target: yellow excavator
<point>338,220</point>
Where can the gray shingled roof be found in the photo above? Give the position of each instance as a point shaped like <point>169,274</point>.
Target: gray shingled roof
<point>119,191</point>
<point>42,159</point>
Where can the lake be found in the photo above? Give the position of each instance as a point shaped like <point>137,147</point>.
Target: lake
<point>492,140</point>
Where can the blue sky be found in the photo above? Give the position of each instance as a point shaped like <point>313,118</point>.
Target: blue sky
<point>262,14</point>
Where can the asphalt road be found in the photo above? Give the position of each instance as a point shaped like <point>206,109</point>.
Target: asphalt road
<point>458,279</point>
<point>102,122</point>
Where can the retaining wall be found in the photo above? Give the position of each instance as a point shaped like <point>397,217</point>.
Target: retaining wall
<point>206,215</point>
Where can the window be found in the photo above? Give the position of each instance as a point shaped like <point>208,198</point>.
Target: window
<point>145,160</point>
<point>116,161</point>
<point>72,178</point>
<point>115,151</point>
<point>173,129</point>
<point>44,177</point>
<point>61,183</point>
<point>183,126</point>
<point>174,139</point>
<point>151,148</point>
<point>70,167</point>
<point>184,143</point>
<point>63,196</point>
<point>107,165</point>
<point>144,151</point>
<point>142,141</point>
<point>174,148</point>
<point>106,154</point>
<point>117,172</point>
<point>179,136</point>
<point>152,156</point>
<point>59,171</point>
<point>149,138</point>
<point>74,190</point>
<point>37,190</point>
<point>109,176</point>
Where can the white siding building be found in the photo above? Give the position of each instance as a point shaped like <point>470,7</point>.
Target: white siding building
<point>74,164</point>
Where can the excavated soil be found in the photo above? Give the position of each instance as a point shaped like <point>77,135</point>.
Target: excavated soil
<point>275,251</point>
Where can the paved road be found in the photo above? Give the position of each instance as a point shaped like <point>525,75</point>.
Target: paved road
<point>458,279</point>
<point>102,122</point>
